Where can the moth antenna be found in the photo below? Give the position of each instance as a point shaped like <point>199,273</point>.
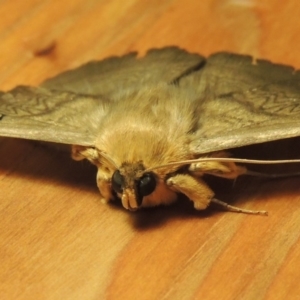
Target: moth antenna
<point>226,159</point>
<point>238,209</point>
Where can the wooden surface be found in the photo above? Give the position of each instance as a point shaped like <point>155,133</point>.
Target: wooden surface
<point>57,241</point>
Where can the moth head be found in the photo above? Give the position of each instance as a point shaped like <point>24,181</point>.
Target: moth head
<point>131,182</point>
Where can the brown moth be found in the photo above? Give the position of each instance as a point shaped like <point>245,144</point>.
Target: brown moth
<point>155,125</point>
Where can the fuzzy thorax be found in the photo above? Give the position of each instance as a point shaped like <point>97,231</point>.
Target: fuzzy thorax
<point>150,125</point>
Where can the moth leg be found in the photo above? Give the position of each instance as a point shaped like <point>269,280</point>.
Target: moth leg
<point>198,192</point>
<point>83,152</point>
<point>103,174</point>
<point>104,185</point>
<point>227,170</point>
<point>194,188</point>
<point>238,209</point>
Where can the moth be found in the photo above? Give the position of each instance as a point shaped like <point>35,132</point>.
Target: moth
<point>154,126</point>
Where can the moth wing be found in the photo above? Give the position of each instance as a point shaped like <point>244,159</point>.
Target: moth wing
<point>243,102</point>
<point>112,75</point>
<point>69,107</point>
<point>47,115</point>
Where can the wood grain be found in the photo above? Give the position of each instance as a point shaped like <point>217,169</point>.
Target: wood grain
<point>57,241</point>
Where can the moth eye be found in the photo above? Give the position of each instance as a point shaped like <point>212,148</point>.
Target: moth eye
<point>117,181</point>
<point>146,184</point>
